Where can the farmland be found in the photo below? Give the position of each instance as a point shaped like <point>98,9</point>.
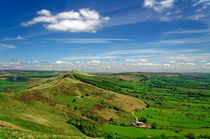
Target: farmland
<point>175,105</point>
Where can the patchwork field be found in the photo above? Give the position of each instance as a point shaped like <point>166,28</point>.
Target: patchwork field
<point>81,105</point>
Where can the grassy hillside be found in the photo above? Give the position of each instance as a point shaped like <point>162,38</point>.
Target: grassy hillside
<point>46,108</point>
<point>78,105</point>
<point>178,102</point>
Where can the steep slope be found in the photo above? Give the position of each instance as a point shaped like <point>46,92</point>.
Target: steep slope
<point>47,107</point>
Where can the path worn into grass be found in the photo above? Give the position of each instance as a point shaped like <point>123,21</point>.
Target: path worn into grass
<point>12,126</point>
<point>135,116</point>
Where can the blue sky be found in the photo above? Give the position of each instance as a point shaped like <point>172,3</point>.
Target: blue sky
<point>105,35</point>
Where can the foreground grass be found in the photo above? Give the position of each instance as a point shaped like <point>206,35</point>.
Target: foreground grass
<point>7,132</point>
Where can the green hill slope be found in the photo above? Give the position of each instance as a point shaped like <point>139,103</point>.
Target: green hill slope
<point>47,107</point>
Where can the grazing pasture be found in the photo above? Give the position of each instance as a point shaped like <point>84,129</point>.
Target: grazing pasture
<point>172,105</point>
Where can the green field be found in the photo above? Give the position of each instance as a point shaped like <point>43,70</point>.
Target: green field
<point>14,82</point>
<point>132,132</point>
<point>73,104</point>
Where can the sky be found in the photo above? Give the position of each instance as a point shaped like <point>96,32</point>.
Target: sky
<point>105,35</point>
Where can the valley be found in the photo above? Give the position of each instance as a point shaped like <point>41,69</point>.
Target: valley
<point>81,105</point>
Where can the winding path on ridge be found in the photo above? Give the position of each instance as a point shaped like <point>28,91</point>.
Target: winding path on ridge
<point>135,116</point>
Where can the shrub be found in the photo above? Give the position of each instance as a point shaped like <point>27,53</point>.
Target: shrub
<point>116,108</point>
<point>143,119</point>
<point>74,100</point>
<point>122,124</point>
<point>163,134</point>
<point>190,135</point>
<point>92,117</point>
<point>154,126</point>
<point>111,119</point>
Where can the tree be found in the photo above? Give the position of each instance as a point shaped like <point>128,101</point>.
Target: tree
<point>154,126</point>
<point>74,100</point>
<point>111,119</point>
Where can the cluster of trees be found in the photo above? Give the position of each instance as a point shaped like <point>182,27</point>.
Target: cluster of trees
<point>87,127</point>
<point>92,117</point>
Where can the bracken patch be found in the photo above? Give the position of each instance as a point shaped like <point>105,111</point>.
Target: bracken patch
<point>99,107</point>
<point>28,98</point>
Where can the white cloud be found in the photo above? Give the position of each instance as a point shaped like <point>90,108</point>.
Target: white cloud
<point>207,64</point>
<point>101,66</point>
<point>172,62</point>
<point>89,57</point>
<point>60,62</point>
<point>198,10</point>
<point>197,2</point>
<point>201,4</point>
<point>188,31</point>
<point>87,40</point>
<point>147,51</point>
<point>44,12</point>
<point>136,60</point>
<point>94,62</point>
<point>158,6</point>
<point>203,61</point>
<point>186,59</point>
<point>16,38</point>
<point>189,64</point>
<point>84,20</point>
<point>8,46</point>
<point>146,64</point>
<point>182,41</point>
<point>197,16</point>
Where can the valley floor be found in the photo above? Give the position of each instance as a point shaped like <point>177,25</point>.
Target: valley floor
<point>80,105</point>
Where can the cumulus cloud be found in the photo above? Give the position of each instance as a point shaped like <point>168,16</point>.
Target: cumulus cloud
<point>84,20</point>
<point>7,46</point>
<point>44,12</point>
<point>158,6</point>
